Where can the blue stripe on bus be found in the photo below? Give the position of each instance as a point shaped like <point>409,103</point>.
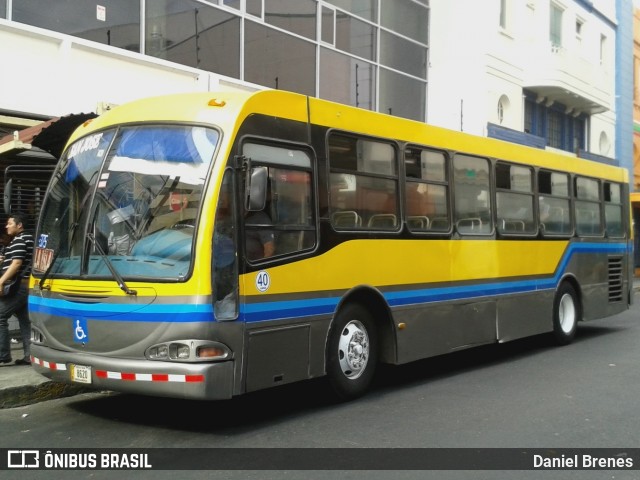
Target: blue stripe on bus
<point>299,308</point>
<point>270,310</point>
<point>183,312</point>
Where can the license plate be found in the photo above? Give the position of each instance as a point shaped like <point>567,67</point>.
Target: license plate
<point>81,373</point>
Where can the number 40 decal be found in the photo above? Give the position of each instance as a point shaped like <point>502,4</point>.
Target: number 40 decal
<point>263,281</point>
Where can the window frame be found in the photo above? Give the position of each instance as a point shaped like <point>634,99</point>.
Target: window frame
<point>313,196</point>
<point>488,212</point>
<point>619,204</point>
<point>361,222</point>
<point>579,200</point>
<point>445,183</point>
<point>531,194</point>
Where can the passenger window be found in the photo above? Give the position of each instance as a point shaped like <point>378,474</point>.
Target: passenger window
<point>286,224</point>
<point>554,203</point>
<point>588,217</point>
<point>363,184</point>
<point>514,199</point>
<point>472,198</point>
<point>613,210</point>
<point>426,190</point>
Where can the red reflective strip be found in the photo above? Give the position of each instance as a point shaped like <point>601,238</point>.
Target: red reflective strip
<point>194,378</point>
<point>128,376</point>
<point>159,377</point>
<point>101,374</point>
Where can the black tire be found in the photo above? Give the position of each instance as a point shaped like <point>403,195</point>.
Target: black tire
<point>566,314</point>
<point>352,352</point>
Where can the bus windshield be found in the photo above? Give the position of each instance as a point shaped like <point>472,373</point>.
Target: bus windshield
<point>123,202</point>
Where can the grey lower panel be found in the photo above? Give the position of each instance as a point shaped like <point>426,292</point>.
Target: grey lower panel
<point>276,356</point>
<point>521,316</point>
<point>197,381</point>
<point>443,328</point>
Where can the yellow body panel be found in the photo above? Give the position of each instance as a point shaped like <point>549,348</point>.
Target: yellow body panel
<point>394,262</point>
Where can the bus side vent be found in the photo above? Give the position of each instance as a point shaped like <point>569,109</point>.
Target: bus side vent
<point>615,279</point>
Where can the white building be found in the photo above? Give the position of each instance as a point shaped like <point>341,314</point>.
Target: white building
<point>489,67</point>
<point>545,67</point>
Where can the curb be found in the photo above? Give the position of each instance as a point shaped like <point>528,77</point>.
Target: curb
<point>20,396</point>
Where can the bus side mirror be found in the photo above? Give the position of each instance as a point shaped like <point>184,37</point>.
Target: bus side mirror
<point>256,189</point>
<point>7,196</point>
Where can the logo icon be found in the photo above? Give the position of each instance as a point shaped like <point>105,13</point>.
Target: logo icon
<point>80,330</point>
<point>23,459</point>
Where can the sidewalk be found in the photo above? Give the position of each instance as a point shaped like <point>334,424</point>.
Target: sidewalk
<point>21,385</point>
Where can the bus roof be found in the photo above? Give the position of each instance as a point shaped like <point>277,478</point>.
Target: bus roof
<point>227,109</point>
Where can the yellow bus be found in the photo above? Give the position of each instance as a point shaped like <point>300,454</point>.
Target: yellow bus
<point>207,245</point>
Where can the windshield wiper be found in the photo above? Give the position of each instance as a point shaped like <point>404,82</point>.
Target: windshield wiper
<point>71,232</point>
<point>121,283</point>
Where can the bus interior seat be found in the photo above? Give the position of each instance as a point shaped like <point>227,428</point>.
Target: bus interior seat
<point>418,222</point>
<point>439,223</point>
<point>471,224</point>
<point>512,226</point>
<point>382,220</point>
<point>346,219</point>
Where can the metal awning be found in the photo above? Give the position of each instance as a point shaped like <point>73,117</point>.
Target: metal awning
<point>50,136</point>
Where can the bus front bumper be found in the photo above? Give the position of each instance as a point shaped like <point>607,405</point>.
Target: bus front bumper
<point>196,381</point>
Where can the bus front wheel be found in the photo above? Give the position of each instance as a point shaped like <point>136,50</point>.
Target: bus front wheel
<point>352,352</point>
<point>566,314</point>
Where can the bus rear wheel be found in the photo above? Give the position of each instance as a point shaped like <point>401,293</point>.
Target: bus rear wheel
<point>566,314</point>
<point>352,352</point>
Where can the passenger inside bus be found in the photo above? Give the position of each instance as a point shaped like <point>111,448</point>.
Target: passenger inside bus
<point>259,234</point>
<point>260,242</point>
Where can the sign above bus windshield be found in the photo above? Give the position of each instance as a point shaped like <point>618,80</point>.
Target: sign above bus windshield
<point>133,192</point>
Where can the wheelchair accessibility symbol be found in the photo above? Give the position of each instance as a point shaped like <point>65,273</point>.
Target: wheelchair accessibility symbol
<point>80,330</point>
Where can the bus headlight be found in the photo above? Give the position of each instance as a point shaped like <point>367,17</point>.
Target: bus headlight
<point>37,336</point>
<point>188,351</point>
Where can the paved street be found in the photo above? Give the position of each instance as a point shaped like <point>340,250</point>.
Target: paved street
<point>525,394</point>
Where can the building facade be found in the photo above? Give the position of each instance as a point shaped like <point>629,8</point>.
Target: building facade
<point>636,99</point>
<point>363,52</point>
<point>538,72</point>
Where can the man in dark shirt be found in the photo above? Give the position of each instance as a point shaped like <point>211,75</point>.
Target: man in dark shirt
<point>14,274</point>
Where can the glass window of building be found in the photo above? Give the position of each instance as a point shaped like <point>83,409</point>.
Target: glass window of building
<point>3,8</point>
<point>254,7</point>
<point>277,60</point>
<point>328,25</point>
<point>367,9</point>
<point>231,3</point>
<point>407,18</point>
<point>344,79</point>
<point>555,26</point>
<point>355,36</point>
<point>402,96</point>
<point>401,54</point>
<point>297,16</point>
<point>111,22</point>
<point>554,129</point>
<point>193,34</point>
